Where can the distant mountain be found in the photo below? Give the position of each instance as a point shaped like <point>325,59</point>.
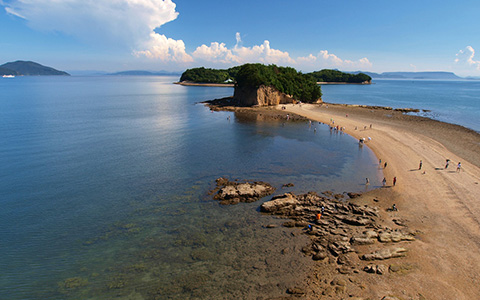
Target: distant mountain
<point>5,71</point>
<point>28,68</point>
<point>143,73</point>
<point>412,75</point>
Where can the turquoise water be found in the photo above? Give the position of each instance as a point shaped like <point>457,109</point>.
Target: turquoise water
<point>456,102</point>
<point>104,190</point>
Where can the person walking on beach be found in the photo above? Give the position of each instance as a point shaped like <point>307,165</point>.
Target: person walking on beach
<point>447,163</point>
<point>459,167</point>
<point>394,181</point>
<point>384,181</point>
<point>385,165</point>
<point>420,165</point>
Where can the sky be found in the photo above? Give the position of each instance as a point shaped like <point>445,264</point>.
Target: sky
<point>309,35</point>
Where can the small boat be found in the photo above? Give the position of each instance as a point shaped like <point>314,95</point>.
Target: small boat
<point>8,76</point>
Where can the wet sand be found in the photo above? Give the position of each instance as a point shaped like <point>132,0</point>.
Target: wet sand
<point>443,205</point>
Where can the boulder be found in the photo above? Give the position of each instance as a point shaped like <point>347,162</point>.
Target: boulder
<point>279,203</point>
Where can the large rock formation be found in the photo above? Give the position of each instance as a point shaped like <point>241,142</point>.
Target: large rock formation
<point>263,96</point>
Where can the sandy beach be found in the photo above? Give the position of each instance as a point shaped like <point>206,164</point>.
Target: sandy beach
<point>442,205</point>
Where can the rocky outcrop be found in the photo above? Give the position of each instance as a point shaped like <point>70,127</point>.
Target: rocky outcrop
<point>263,96</point>
<point>233,192</point>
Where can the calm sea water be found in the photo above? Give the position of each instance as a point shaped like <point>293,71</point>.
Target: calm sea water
<point>104,190</point>
<point>456,102</point>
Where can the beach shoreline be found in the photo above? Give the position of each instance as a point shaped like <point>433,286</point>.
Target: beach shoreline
<point>441,204</point>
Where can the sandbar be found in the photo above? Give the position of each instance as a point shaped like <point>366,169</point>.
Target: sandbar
<point>443,205</point>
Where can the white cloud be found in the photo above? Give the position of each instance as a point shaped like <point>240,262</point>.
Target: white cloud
<point>123,23</point>
<point>325,60</point>
<point>466,56</point>
<point>219,53</point>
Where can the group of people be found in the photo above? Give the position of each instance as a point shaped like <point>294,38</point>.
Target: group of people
<point>447,163</point>
<point>384,181</point>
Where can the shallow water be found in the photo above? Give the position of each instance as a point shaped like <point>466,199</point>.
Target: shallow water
<point>105,182</point>
<point>451,101</point>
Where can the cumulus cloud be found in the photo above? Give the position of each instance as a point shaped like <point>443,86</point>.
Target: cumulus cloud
<point>124,23</point>
<point>324,59</point>
<point>219,53</point>
<point>466,56</point>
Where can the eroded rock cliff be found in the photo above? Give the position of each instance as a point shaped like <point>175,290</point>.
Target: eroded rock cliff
<point>263,96</point>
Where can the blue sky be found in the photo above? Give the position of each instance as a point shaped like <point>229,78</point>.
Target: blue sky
<point>115,35</point>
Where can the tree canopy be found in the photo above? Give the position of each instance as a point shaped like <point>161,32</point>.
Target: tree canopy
<point>327,75</point>
<point>285,79</point>
<point>204,75</point>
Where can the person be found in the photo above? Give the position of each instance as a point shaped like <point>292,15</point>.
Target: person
<point>384,181</point>
<point>394,181</point>
<point>394,207</point>
<point>385,165</point>
<point>367,181</point>
<point>420,165</point>
<point>459,167</point>
<point>380,161</point>
<point>447,163</point>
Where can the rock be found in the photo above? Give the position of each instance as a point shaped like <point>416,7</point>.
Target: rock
<point>356,221</point>
<point>320,255</point>
<point>378,269</point>
<point>280,202</point>
<point>287,185</point>
<point>385,254</point>
<point>390,298</point>
<point>345,270</point>
<point>382,269</point>
<point>295,291</point>
<point>362,240</point>
<point>400,222</point>
<point>354,195</point>
<point>289,224</point>
<point>395,236</point>
<point>338,282</point>
<point>261,96</point>
<point>271,226</point>
<point>233,192</point>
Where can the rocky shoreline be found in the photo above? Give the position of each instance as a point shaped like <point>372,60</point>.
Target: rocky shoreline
<point>349,240</point>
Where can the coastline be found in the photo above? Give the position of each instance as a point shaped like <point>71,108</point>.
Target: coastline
<point>442,205</point>
<point>186,83</point>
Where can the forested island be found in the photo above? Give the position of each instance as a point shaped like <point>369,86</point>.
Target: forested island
<point>260,85</point>
<point>29,68</point>
<point>336,76</point>
<point>225,76</point>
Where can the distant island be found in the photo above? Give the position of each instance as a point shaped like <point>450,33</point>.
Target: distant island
<point>29,68</point>
<point>229,76</point>
<point>142,73</point>
<point>413,75</point>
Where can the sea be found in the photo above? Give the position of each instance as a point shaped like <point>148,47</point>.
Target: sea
<point>105,184</point>
<point>451,101</point>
